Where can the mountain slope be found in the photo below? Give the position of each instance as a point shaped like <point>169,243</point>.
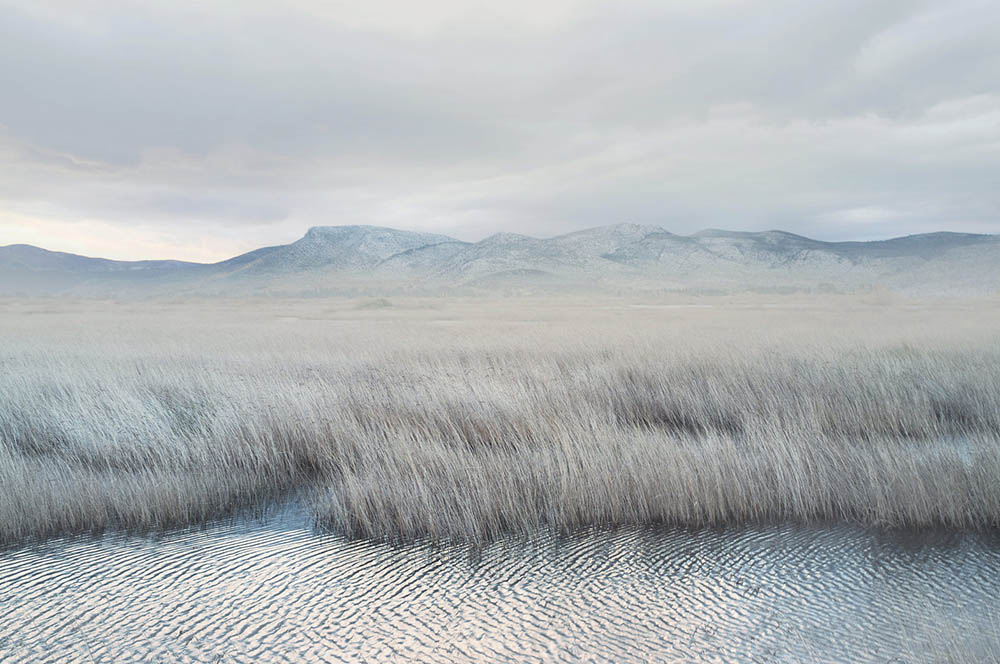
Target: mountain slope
<point>335,247</point>
<point>353,260</point>
<point>29,271</point>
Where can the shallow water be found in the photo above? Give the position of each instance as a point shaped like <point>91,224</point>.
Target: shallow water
<point>274,590</point>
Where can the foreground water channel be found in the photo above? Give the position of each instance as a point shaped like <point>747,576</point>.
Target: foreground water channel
<point>273,589</point>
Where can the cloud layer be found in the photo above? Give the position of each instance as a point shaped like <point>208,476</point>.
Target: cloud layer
<point>199,130</point>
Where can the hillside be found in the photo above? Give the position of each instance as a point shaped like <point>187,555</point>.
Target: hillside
<point>625,258</point>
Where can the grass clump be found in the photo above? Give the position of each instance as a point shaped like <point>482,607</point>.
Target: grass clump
<point>400,428</point>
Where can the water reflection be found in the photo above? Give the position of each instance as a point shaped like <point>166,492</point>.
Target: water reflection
<point>274,590</point>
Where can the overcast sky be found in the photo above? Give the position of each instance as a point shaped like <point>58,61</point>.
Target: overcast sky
<point>200,130</point>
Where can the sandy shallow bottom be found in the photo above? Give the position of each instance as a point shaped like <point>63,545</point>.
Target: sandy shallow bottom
<point>272,589</point>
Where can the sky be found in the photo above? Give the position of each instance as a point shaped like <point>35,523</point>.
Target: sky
<point>200,130</point>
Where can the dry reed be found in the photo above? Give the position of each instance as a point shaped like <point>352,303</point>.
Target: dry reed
<point>457,420</point>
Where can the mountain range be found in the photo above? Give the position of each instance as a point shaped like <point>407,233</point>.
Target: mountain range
<point>624,258</point>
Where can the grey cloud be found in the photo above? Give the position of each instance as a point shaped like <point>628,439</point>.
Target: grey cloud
<point>732,114</point>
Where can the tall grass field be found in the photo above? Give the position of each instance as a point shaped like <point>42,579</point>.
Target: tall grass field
<point>471,419</point>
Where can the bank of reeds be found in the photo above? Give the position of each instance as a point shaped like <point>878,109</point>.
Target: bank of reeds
<point>400,431</point>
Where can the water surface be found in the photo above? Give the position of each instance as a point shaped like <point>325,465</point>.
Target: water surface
<point>274,590</point>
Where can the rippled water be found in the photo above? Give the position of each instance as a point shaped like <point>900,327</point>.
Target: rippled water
<point>276,591</point>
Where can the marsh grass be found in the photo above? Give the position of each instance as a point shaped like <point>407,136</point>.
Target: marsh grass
<point>400,427</point>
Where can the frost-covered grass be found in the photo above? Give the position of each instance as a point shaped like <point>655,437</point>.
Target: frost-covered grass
<point>471,419</point>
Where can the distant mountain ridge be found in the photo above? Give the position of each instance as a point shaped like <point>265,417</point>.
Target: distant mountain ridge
<point>623,258</point>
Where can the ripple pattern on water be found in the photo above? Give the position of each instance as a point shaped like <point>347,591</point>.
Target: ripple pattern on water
<point>275,591</point>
